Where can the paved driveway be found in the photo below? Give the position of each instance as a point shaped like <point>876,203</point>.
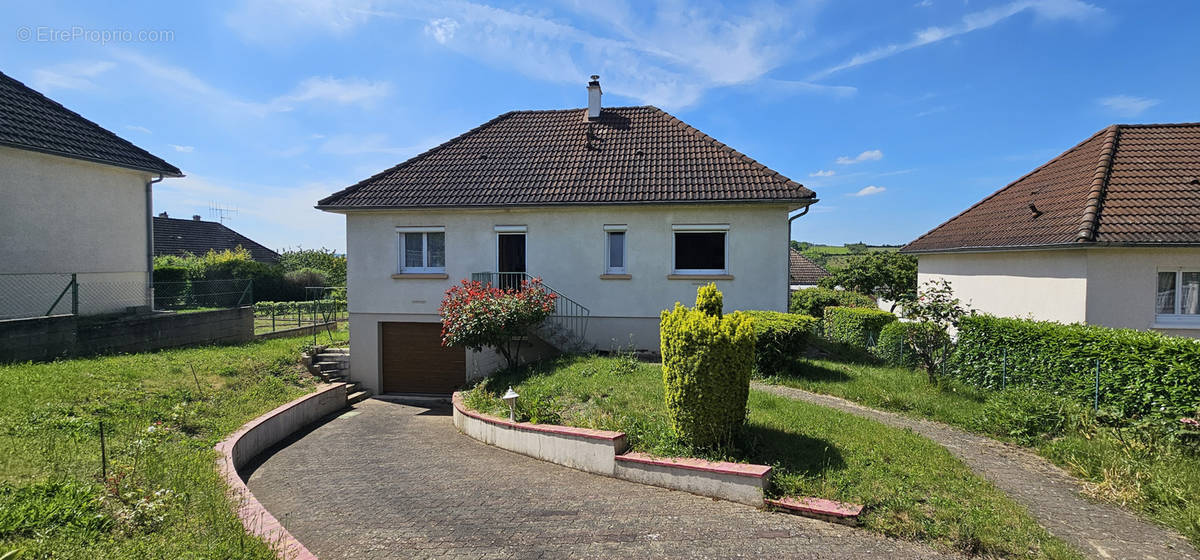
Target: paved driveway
<point>395,481</point>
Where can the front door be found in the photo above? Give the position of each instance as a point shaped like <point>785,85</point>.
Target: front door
<point>511,259</point>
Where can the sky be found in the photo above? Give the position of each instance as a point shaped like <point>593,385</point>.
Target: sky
<point>899,114</point>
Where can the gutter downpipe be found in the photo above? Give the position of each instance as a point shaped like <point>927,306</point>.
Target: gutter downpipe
<point>150,241</point>
<point>787,272</point>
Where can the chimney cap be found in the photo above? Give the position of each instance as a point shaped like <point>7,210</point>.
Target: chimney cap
<point>196,217</point>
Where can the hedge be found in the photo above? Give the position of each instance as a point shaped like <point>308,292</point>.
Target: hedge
<point>707,362</point>
<point>1141,372</point>
<point>779,338</point>
<point>855,326</point>
<point>813,301</point>
<point>892,346</point>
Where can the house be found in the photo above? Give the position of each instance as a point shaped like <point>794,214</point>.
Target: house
<point>77,200</point>
<point>1108,233</point>
<point>623,211</point>
<point>173,236</point>
<point>802,272</point>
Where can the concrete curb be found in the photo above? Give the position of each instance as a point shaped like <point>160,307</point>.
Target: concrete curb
<point>603,452</point>
<point>256,436</point>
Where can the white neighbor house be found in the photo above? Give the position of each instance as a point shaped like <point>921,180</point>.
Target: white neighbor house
<point>1108,233</point>
<point>623,211</point>
<point>77,200</point>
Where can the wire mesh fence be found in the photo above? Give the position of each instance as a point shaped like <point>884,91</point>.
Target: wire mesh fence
<point>326,305</point>
<point>37,295</point>
<point>203,294</point>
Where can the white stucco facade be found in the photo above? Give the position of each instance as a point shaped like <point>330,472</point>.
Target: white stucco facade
<point>63,216</point>
<point>1108,286</point>
<point>565,246</point>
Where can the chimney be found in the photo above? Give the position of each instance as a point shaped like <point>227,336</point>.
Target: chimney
<point>163,215</point>
<point>196,217</point>
<point>593,88</point>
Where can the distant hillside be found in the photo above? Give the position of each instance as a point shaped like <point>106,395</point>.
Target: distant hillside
<point>836,256</point>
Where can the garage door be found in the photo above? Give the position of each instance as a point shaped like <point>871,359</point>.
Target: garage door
<point>414,360</point>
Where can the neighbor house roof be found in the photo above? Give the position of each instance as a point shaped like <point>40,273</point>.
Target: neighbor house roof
<point>802,271</point>
<point>627,155</point>
<point>32,121</point>
<point>1126,185</point>
<point>173,236</point>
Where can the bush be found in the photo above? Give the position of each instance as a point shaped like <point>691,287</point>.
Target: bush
<point>1141,372</point>
<point>475,316</point>
<point>170,285</point>
<point>813,301</point>
<point>331,264</point>
<point>855,326</point>
<point>779,339</point>
<point>893,346</point>
<point>296,282</point>
<point>707,363</point>
<point>1028,415</point>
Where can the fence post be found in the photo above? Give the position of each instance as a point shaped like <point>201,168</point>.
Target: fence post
<point>1096,397</point>
<point>74,294</point>
<point>1004,370</point>
<point>103,454</point>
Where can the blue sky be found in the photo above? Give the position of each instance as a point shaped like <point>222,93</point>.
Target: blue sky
<point>899,114</point>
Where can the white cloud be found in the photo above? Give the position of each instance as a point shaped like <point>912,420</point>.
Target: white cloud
<point>72,75</point>
<point>184,149</point>
<point>923,4</point>
<point>348,91</point>
<point>441,29</point>
<point>1127,105</point>
<point>868,191</point>
<point>1049,10</point>
<point>869,155</point>
<point>931,111</point>
<point>823,173</point>
<point>141,129</point>
<point>275,21</point>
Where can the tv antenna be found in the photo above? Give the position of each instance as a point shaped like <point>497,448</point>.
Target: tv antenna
<point>221,213</point>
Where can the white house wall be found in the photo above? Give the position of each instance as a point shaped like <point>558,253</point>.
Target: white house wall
<point>63,215</point>
<point>1048,285</point>
<point>1122,285</point>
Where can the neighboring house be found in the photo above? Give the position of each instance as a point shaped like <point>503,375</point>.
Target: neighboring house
<point>77,199</point>
<point>624,211</point>
<point>803,273</point>
<point>1108,233</point>
<point>173,236</point>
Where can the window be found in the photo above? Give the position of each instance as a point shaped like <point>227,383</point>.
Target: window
<point>700,250</point>
<point>1178,294</point>
<point>614,243</point>
<point>422,250</point>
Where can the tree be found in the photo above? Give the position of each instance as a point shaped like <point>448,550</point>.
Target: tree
<point>891,276</point>
<point>325,260</point>
<point>932,314</point>
<point>475,316</point>
<point>856,248</point>
<point>799,246</point>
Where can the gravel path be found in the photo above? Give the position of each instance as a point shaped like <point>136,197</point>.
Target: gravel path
<point>1050,494</point>
<point>395,481</point>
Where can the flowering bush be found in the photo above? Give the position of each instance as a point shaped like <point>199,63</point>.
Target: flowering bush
<point>475,315</point>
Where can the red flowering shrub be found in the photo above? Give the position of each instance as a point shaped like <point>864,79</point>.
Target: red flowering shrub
<point>475,315</point>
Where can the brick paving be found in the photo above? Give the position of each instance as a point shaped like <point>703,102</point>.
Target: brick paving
<point>396,481</point>
<point>1051,495</point>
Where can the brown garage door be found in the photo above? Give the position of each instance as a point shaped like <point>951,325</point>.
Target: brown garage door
<point>414,360</point>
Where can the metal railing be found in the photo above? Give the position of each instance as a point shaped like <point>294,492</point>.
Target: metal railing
<point>569,316</point>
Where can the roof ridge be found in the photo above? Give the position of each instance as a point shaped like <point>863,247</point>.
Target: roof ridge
<point>1091,210</point>
<point>1006,187</point>
<point>167,166</point>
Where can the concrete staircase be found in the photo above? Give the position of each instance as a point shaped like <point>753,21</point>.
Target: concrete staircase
<point>332,365</point>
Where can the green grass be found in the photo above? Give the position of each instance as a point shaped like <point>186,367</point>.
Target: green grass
<point>1154,478</point>
<point>912,487</point>
<point>162,497</point>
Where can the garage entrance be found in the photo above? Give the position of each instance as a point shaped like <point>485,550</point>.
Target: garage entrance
<point>413,360</point>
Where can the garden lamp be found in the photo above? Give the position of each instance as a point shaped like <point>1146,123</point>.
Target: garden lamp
<point>511,398</point>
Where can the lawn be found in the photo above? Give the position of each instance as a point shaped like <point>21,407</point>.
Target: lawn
<point>912,487</point>
<point>1157,479</point>
<point>162,498</point>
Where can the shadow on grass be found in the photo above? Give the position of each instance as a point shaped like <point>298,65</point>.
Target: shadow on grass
<point>797,453</point>
<point>502,379</point>
<point>809,371</point>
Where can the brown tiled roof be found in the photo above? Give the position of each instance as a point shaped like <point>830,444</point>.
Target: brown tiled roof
<point>32,121</point>
<point>1126,185</point>
<point>803,271</point>
<point>628,155</point>
<point>173,236</point>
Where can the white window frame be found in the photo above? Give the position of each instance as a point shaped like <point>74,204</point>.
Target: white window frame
<point>608,231</point>
<point>400,249</point>
<point>700,228</point>
<point>1175,319</point>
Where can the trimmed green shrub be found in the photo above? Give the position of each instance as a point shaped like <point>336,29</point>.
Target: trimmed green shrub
<point>707,363</point>
<point>297,282</point>
<point>893,346</point>
<point>710,300</point>
<point>1141,372</point>
<point>779,339</point>
<point>813,301</point>
<point>855,326</point>
<point>170,285</point>
<point>1029,415</point>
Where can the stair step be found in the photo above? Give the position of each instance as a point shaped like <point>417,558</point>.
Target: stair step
<point>357,396</point>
